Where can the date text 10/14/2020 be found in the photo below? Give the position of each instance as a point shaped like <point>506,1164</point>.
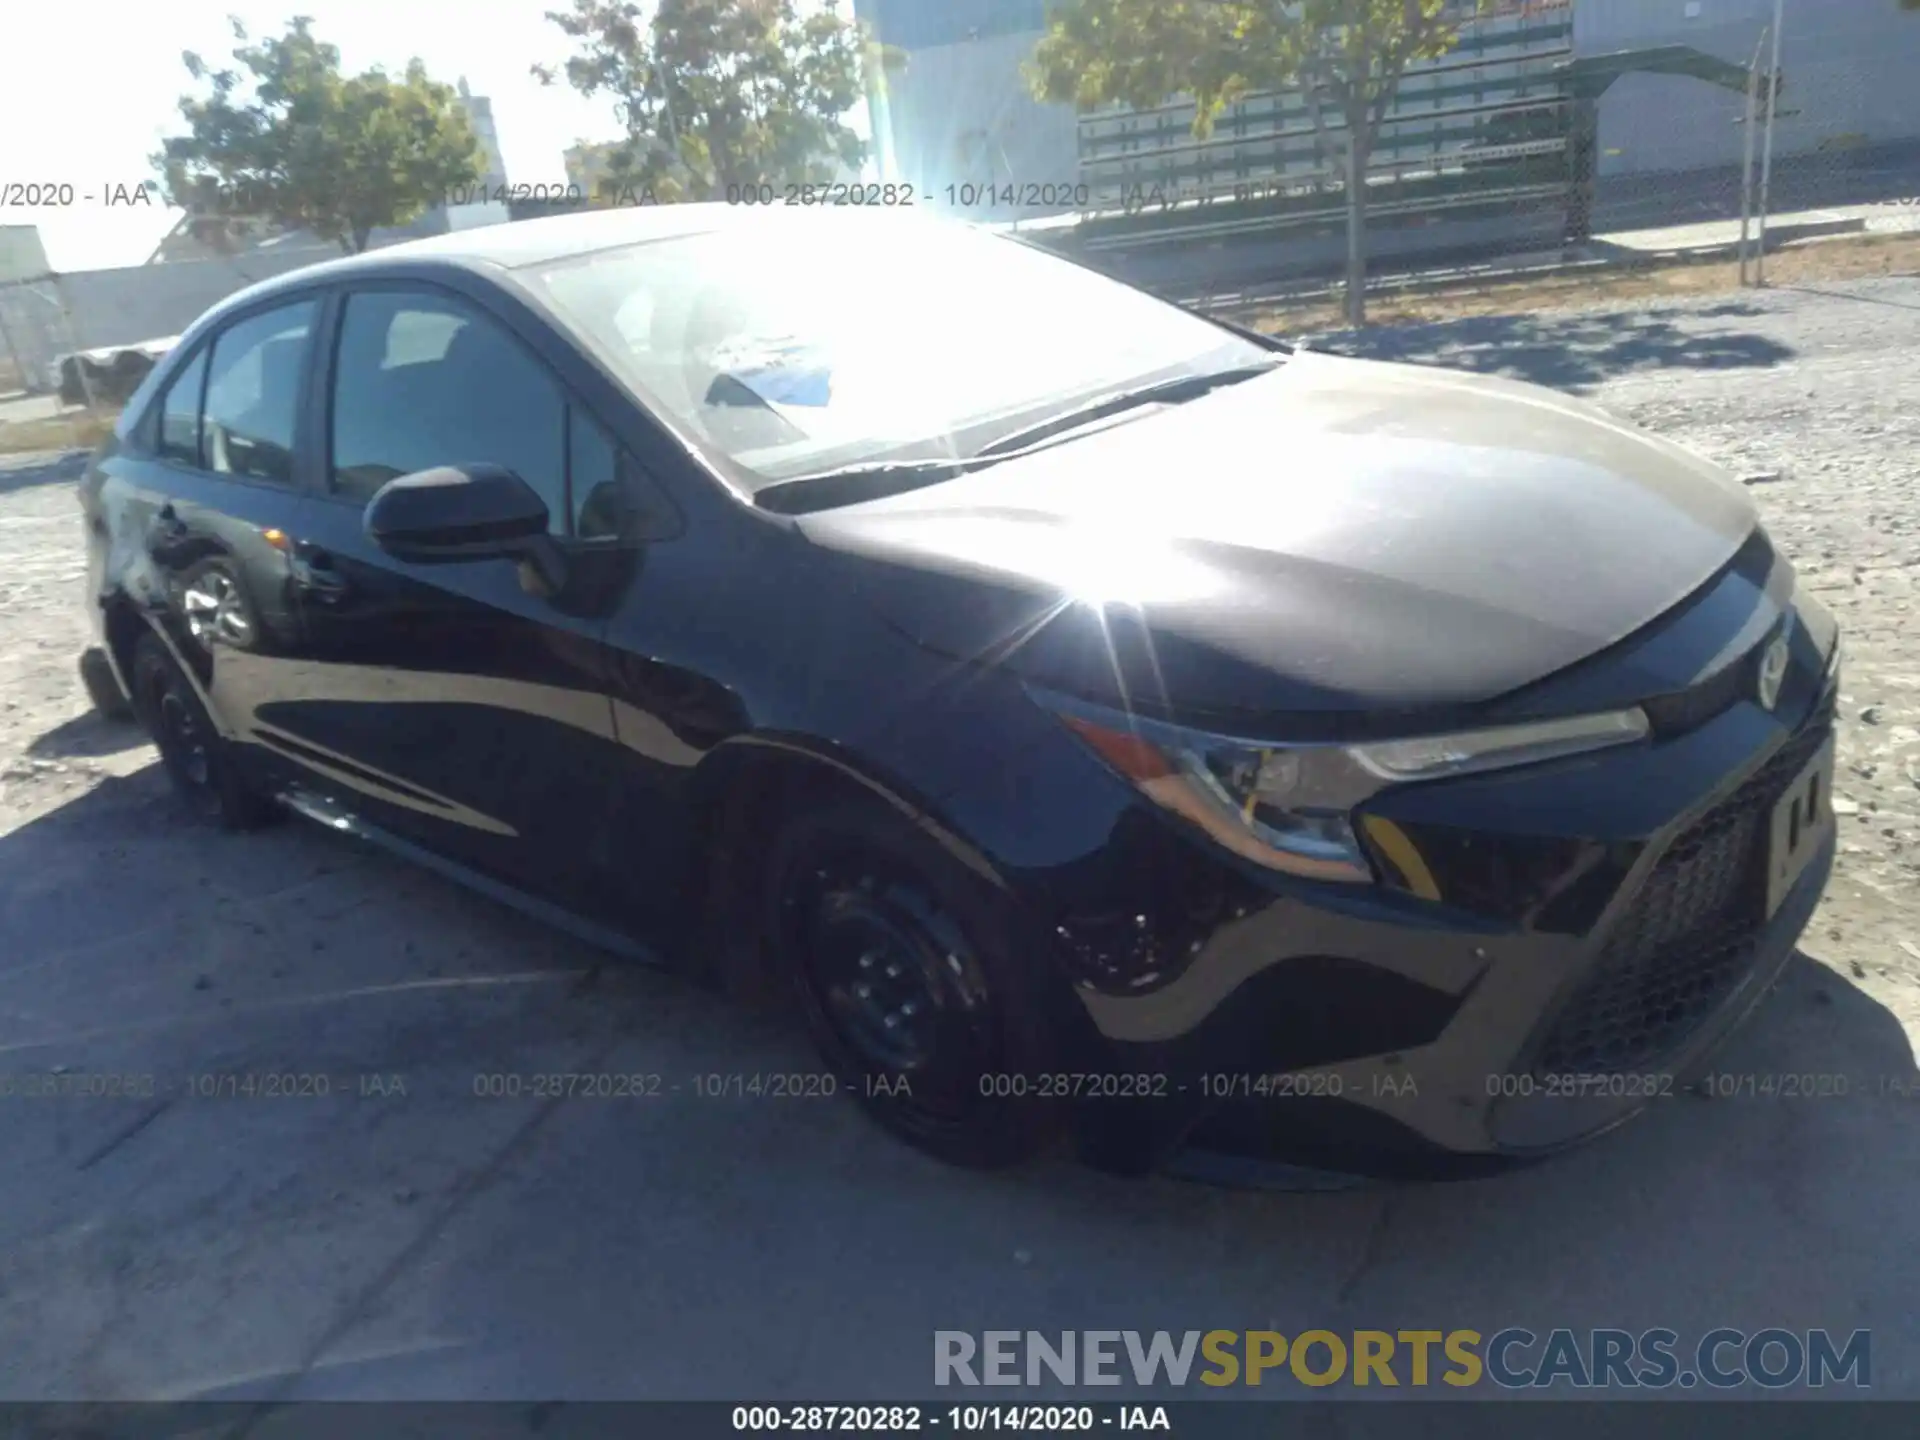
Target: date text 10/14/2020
<point>969,196</point>
<point>964,1419</point>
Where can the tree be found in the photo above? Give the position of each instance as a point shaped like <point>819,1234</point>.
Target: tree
<point>1346,57</point>
<point>717,96</point>
<point>285,138</point>
<point>596,166</point>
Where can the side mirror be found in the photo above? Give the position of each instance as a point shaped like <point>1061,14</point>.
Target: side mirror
<point>455,512</point>
<point>467,512</point>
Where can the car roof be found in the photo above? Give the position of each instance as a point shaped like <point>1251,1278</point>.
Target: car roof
<point>514,245</point>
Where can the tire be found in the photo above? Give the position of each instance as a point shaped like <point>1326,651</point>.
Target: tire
<point>103,689</point>
<point>197,760</point>
<point>906,968</point>
<point>216,608</point>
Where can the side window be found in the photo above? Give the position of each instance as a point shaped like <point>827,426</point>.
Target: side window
<point>179,439</point>
<point>421,381</point>
<point>253,394</point>
<point>594,470</point>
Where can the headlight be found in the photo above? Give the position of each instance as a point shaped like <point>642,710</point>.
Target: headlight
<point>1500,748</point>
<point>1290,807</point>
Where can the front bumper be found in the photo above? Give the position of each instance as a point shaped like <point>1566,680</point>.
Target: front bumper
<point>1590,930</point>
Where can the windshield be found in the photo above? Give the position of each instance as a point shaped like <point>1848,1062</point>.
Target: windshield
<point>826,339</point>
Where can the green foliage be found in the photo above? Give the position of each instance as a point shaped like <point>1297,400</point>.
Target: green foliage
<point>719,93</point>
<point>1346,54</point>
<point>287,141</point>
<point>1143,53</point>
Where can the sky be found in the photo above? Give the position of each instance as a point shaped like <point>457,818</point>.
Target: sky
<point>89,89</point>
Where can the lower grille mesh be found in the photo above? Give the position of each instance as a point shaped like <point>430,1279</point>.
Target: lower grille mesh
<point>1689,938</point>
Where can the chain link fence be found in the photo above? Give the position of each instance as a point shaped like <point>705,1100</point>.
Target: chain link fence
<point>75,346</point>
<point>34,334</point>
<point>45,402</point>
<point>1846,130</point>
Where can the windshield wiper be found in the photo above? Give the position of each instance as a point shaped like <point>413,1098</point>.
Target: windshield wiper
<point>1164,392</point>
<point>851,484</point>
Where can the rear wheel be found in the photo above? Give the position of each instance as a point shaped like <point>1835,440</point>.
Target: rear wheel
<point>198,761</point>
<point>904,965</point>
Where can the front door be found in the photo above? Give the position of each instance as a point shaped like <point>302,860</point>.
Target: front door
<point>457,705</point>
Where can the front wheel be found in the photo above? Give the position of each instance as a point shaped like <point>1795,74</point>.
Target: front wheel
<point>103,689</point>
<point>198,760</point>
<point>904,965</point>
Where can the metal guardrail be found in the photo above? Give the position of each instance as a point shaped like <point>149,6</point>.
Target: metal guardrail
<point>1169,230</point>
<point>1273,183</point>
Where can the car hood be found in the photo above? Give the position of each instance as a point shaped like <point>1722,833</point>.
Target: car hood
<point>1341,534</point>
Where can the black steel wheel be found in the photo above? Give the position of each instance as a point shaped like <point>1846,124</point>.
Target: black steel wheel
<point>910,986</point>
<point>197,759</point>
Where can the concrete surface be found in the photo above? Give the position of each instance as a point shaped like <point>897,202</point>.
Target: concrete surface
<point>18,409</point>
<point>430,1244</point>
<point>1716,235</point>
<point>1246,278</point>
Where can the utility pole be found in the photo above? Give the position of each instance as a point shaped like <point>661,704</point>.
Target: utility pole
<point>1766,162</point>
<point>1746,170</point>
<point>15,355</point>
<point>73,337</point>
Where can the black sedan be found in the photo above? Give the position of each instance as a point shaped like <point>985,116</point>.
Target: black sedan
<point>1096,722</point>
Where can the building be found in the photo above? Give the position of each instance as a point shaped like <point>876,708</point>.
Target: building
<point>956,120</point>
<point>464,212</point>
<point>28,325</point>
<point>200,262</point>
<point>1506,66</point>
<point>480,116</point>
<point>214,237</point>
<point>1849,65</point>
<point>22,255</point>
<point>958,113</point>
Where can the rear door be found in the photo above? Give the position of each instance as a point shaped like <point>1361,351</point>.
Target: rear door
<point>454,704</point>
<point>218,484</point>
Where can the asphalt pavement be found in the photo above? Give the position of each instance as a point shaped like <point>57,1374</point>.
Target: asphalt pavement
<point>312,1175</point>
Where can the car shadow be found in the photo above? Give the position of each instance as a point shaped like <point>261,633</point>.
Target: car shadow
<point>1570,351</point>
<point>1702,1213</point>
<point>25,472</point>
<point>88,736</point>
<point>692,1242</point>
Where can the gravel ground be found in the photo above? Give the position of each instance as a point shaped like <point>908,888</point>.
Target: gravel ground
<point>431,1244</point>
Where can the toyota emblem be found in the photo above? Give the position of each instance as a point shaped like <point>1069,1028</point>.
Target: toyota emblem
<point>1773,670</point>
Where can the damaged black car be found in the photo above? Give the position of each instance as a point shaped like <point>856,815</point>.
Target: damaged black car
<point>1100,724</point>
